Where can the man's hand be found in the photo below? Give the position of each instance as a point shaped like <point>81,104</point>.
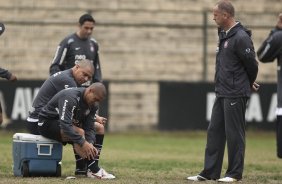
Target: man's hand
<point>101,120</point>
<point>13,78</point>
<point>87,150</point>
<point>255,86</point>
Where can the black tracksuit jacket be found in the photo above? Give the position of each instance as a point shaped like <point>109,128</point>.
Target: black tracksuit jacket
<point>236,65</point>
<point>72,49</point>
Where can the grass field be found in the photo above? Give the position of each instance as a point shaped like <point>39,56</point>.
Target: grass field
<point>156,158</point>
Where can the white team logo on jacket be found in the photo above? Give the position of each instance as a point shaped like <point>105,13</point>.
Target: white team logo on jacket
<point>64,110</point>
<point>92,47</point>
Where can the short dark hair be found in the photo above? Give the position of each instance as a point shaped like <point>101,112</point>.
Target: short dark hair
<point>225,5</point>
<point>86,17</point>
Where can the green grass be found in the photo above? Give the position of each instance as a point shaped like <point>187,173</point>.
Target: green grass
<point>156,157</point>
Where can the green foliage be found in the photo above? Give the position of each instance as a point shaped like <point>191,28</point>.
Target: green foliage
<point>156,158</point>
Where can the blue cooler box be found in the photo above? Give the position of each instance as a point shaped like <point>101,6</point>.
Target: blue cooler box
<point>35,155</point>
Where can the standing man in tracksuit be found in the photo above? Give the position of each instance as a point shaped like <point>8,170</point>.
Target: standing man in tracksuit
<point>270,50</point>
<point>236,71</point>
<point>77,46</point>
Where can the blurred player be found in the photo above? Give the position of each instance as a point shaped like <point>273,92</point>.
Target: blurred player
<point>5,73</point>
<point>270,50</point>
<point>9,76</point>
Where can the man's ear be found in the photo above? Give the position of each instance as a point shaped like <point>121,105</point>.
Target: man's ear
<point>76,67</point>
<point>225,15</point>
<point>92,90</point>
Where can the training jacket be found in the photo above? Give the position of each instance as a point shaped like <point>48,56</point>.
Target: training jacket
<point>270,50</point>
<point>49,88</point>
<point>68,106</point>
<point>236,65</point>
<point>72,49</point>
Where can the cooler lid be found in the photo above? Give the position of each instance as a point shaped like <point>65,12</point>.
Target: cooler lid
<point>31,137</point>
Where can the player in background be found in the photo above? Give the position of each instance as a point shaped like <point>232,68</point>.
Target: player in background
<point>77,46</point>
<point>5,73</point>
<point>269,51</point>
<point>9,76</point>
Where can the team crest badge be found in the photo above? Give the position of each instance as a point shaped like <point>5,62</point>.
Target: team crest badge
<point>225,44</point>
<point>87,112</point>
<point>91,47</point>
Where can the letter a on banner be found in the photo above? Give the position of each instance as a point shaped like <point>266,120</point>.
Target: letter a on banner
<point>254,112</point>
<point>271,116</point>
<point>22,102</point>
<point>210,101</point>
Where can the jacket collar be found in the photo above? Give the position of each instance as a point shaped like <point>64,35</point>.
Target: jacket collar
<point>229,33</point>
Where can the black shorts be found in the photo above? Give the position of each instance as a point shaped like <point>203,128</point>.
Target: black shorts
<point>50,129</point>
<point>32,127</point>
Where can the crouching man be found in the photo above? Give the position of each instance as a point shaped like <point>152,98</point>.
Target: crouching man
<point>71,107</point>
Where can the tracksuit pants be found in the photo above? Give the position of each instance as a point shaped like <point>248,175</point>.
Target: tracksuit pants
<point>227,125</point>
